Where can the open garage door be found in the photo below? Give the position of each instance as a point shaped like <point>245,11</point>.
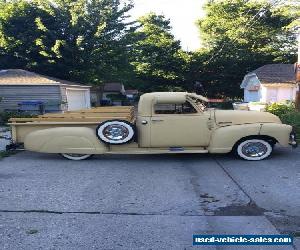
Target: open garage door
<point>78,99</point>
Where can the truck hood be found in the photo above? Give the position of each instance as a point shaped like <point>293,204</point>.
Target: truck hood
<point>234,117</point>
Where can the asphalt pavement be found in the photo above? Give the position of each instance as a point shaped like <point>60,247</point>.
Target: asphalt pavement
<point>145,201</point>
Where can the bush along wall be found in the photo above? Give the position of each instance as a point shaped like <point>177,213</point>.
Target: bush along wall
<point>287,113</point>
<point>5,116</point>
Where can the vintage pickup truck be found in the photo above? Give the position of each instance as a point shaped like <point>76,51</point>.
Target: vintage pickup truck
<point>166,122</point>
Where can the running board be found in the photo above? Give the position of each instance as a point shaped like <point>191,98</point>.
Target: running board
<point>172,150</point>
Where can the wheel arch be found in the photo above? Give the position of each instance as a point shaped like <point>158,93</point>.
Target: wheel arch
<point>267,138</point>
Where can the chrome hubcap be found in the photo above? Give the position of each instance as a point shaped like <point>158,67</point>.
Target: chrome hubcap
<point>254,149</point>
<point>115,132</point>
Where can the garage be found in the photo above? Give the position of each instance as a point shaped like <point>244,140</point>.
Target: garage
<point>77,98</point>
<point>20,86</point>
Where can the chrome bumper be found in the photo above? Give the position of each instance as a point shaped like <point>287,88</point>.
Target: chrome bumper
<point>293,139</point>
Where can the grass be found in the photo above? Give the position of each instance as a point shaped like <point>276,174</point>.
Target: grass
<point>4,154</point>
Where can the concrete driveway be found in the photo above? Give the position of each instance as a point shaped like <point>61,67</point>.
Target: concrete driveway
<point>145,202</point>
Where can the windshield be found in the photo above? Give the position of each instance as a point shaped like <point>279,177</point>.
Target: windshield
<point>199,103</point>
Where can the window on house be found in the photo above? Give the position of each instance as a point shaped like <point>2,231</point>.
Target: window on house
<point>185,108</point>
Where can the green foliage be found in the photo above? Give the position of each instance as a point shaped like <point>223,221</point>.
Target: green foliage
<point>156,56</point>
<point>5,116</point>
<point>93,41</point>
<point>117,97</point>
<point>4,154</point>
<point>281,109</point>
<point>287,114</point>
<point>83,40</point>
<point>240,36</point>
<point>292,118</point>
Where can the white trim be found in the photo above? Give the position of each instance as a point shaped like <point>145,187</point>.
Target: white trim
<point>267,154</point>
<point>103,126</point>
<point>76,158</point>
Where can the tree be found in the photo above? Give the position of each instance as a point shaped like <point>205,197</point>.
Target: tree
<point>240,36</point>
<point>156,56</point>
<point>83,40</point>
<point>18,32</point>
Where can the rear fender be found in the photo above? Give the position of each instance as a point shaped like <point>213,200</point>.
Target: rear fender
<point>76,140</point>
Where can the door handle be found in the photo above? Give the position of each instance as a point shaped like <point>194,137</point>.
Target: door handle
<point>144,122</point>
<point>157,120</point>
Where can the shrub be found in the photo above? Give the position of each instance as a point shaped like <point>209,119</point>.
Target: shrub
<point>292,118</point>
<point>287,114</point>
<point>5,116</point>
<point>280,109</point>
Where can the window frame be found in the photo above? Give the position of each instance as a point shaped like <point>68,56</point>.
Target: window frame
<point>188,114</point>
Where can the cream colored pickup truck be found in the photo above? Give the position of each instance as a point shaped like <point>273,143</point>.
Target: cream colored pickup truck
<point>166,122</point>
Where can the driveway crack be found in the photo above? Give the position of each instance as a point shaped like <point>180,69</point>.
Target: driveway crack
<point>41,211</point>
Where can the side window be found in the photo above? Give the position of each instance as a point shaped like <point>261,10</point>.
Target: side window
<point>185,108</point>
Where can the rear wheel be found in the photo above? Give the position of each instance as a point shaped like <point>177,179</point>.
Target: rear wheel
<point>254,149</point>
<point>76,157</point>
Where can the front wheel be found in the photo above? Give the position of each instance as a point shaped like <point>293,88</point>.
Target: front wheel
<point>254,149</point>
<point>76,157</point>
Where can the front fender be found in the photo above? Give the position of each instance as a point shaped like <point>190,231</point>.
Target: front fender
<point>224,138</point>
<point>281,132</point>
<point>73,140</point>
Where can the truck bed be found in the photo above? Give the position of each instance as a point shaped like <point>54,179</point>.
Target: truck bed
<point>94,115</point>
<point>86,117</point>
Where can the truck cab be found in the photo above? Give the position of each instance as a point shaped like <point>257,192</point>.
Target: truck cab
<point>175,119</point>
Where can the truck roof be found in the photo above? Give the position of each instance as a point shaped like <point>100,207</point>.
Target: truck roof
<point>147,100</point>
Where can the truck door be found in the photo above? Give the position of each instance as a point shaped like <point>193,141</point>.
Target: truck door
<point>178,125</point>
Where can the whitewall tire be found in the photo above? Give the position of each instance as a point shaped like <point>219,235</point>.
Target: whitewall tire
<point>76,157</point>
<point>254,149</point>
<point>115,132</point>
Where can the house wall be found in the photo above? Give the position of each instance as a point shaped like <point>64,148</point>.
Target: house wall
<point>278,94</point>
<point>14,94</point>
<point>267,93</point>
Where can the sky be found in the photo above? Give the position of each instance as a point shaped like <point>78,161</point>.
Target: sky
<point>182,13</point>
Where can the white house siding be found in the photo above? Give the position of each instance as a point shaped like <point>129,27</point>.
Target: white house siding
<point>285,94</point>
<point>11,95</point>
<point>263,91</point>
<point>267,93</point>
<point>278,94</point>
